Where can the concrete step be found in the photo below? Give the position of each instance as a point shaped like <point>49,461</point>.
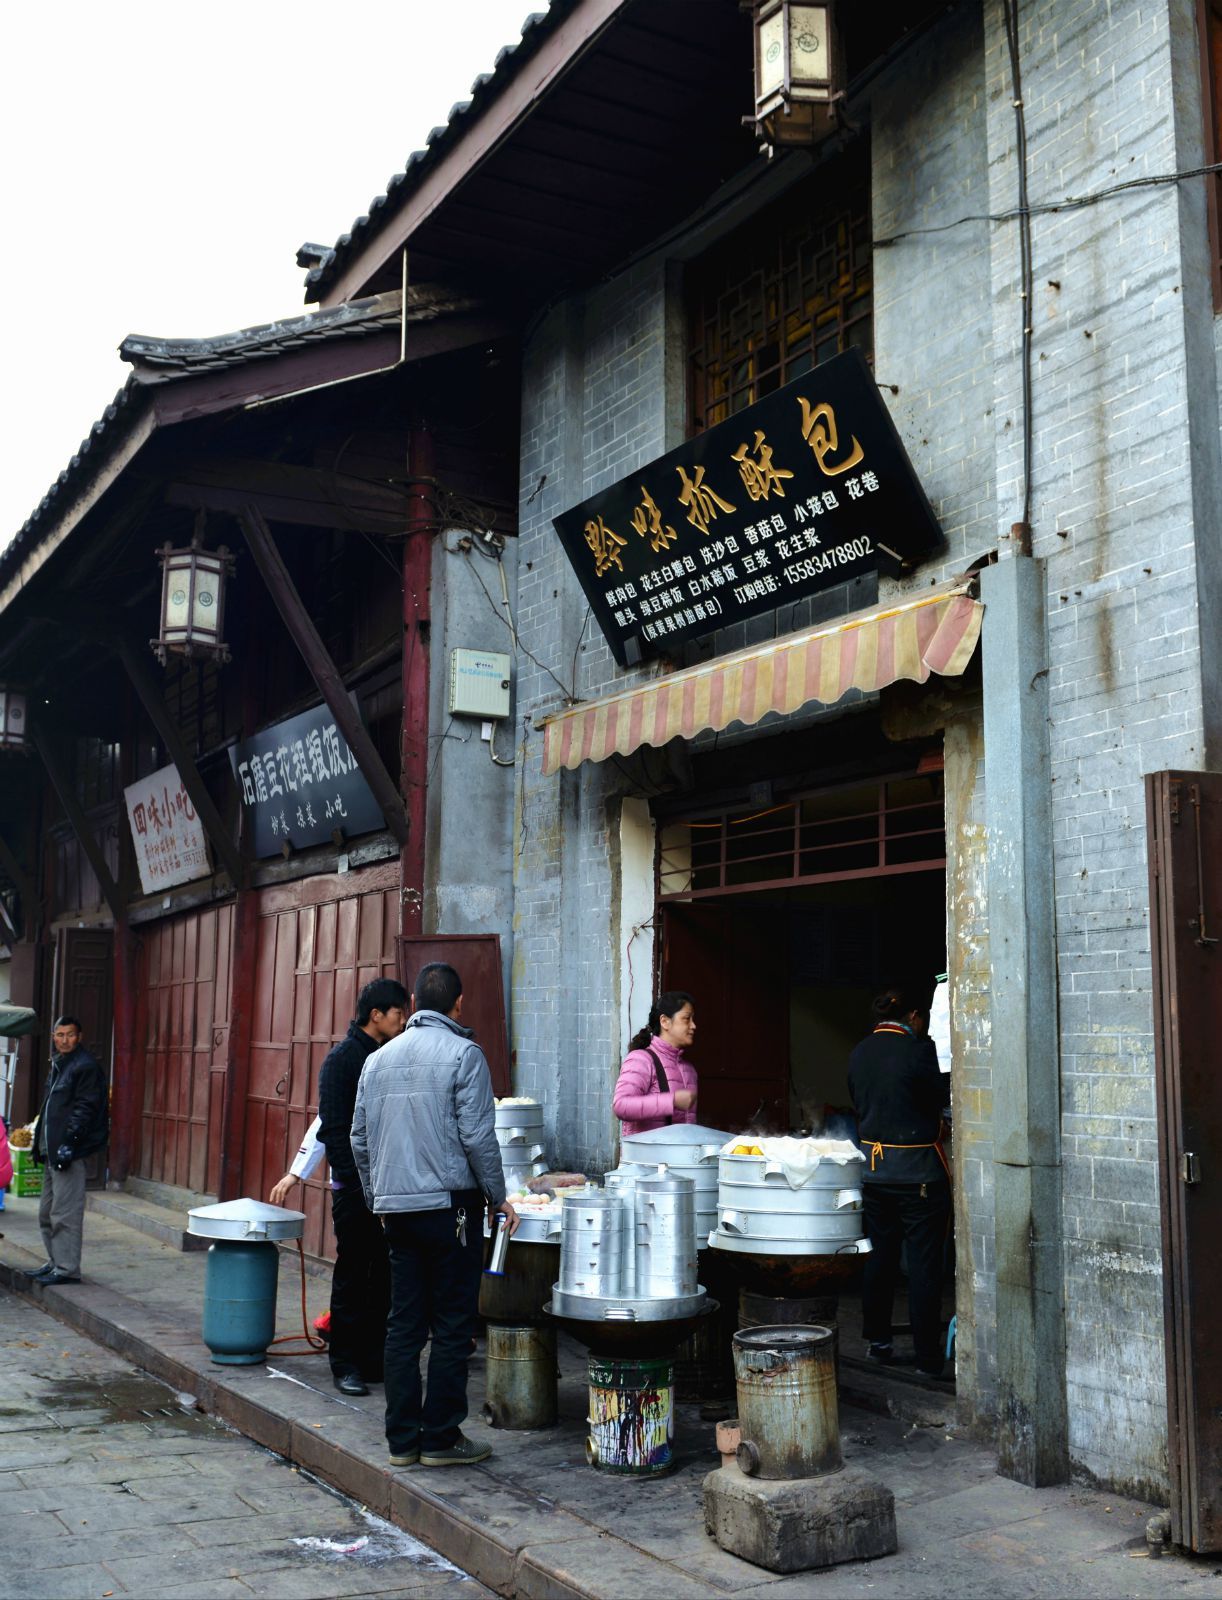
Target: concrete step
<point>168,1224</point>
<point>167,1195</point>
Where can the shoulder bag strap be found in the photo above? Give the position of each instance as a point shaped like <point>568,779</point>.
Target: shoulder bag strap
<point>663,1080</point>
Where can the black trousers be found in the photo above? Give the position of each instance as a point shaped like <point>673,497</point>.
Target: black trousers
<point>360,1287</point>
<point>434,1294</point>
<point>915,1214</point>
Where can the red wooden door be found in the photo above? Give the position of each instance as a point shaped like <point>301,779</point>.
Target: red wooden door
<point>182,1019</point>
<point>85,988</point>
<point>319,941</point>
<point>476,957</point>
<point>1184,821</point>
<point>720,955</point>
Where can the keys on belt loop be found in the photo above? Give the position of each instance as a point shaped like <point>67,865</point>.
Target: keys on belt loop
<point>460,1230</point>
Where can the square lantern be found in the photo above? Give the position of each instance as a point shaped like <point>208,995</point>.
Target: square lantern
<point>796,74</point>
<point>193,602</point>
<point>12,720</point>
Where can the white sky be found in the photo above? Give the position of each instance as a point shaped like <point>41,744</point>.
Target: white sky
<point>162,163</point>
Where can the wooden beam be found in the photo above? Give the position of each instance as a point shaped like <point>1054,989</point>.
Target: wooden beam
<point>80,823</point>
<point>145,684</point>
<point>330,361</point>
<point>285,493</point>
<point>481,136</point>
<point>322,669</point>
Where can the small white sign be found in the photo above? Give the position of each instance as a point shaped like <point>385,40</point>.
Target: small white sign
<point>171,846</point>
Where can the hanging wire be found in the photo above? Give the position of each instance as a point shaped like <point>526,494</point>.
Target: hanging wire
<point>1026,274</point>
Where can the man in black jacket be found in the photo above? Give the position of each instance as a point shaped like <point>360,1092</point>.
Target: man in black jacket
<point>360,1283</point>
<point>73,1122</point>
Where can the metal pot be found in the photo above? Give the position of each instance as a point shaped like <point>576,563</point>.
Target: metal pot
<point>519,1124</point>
<point>665,1237</point>
<point>681,1144</point>
<point>593,1245</point>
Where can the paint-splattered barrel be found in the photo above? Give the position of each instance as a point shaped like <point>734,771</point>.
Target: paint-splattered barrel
<point>632,1415</point>
<point>786,1378</point>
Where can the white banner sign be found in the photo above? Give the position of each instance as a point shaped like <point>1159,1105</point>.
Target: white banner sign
<point>168,836</point>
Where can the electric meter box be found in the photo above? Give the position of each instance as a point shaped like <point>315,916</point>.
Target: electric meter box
<point>479,684</point>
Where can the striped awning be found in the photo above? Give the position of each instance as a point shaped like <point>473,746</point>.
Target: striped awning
<point>934,633</point>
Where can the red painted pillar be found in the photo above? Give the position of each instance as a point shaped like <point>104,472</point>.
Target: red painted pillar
<point>417,573</point>
<point>127,1074</point>
<point>127,1067</point>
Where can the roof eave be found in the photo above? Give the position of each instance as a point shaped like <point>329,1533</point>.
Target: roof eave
<point>452,157</point>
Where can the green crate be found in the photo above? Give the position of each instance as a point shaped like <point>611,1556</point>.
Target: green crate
<point>27,1176</point>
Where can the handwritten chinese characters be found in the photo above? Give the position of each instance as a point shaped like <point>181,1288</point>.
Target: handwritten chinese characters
<point>813,469</point>
<point>301,785</point>
<point>169,839</point>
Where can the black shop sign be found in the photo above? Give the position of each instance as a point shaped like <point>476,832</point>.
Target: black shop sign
<point>300,785</point>
<point>807,488</point>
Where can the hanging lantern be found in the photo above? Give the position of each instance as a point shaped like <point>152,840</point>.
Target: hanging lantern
<point>193,602</point>
<point>12,720</point>
<point>797,89</point>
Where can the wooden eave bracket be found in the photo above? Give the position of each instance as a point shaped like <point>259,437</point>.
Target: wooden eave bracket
<point>322,669</point>
<point>80,823</point>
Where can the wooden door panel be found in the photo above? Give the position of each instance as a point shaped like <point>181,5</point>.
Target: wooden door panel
<point>476,957</point>
<point>1184,822</point>
<point>718,955</point>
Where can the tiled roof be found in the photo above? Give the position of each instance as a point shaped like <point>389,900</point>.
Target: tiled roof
<point>538,27</point>
<point>159,361</point>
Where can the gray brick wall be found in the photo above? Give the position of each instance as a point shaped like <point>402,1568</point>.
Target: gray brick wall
<point>1124,502</point>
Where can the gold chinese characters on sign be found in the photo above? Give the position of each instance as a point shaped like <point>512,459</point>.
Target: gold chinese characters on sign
<point>761,476</point>
<point>647,520</point>
<point>606,546</point>
<point>819,431</point>
<point>703,504</point>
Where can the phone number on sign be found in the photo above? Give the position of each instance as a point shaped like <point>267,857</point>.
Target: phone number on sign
<point>840,555</point>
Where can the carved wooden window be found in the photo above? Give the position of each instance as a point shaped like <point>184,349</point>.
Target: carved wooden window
<point>789,289</point>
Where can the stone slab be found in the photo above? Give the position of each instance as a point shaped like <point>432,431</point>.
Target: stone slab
<point>800,1524</point>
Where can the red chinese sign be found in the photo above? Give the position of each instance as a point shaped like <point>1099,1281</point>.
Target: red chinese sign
<point>169,838</point>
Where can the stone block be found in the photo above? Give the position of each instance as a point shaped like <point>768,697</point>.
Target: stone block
<point>796,1524</point>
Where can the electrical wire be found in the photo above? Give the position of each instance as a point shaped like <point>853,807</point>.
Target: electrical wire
<point>498,761</point>
<point>1047,208</point>
<point>1026,274</point>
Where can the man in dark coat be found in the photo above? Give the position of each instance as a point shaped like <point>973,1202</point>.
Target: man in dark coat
<point>360,1284</point>
<point>73,1122</point>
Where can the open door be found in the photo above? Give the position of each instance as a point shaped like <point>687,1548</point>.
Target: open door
<point>1184,821</point>
<point>720,955</point>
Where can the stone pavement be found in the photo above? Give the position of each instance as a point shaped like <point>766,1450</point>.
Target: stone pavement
<point>111,1484</point>
<point>536,1521</point>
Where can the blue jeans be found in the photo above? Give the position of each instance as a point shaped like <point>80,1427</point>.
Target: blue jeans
<point>434,1293</point>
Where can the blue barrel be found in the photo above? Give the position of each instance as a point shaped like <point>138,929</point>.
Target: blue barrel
<point>240,1301</point>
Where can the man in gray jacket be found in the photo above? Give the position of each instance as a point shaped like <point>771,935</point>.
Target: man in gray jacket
<point>424,1141</point>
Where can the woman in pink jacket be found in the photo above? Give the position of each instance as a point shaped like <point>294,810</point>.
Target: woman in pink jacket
<point>656,1084</point>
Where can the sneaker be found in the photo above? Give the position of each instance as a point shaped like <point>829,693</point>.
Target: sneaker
<point>42,1272</point>
<point>463,1452</point>
<point>409,1459</point>
<point>882,1354</point>
<point>56,1276</point>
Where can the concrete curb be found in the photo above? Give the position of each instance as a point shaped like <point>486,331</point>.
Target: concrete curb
<point>513,1540</point>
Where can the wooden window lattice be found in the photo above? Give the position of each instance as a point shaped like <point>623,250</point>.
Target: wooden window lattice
<point>787,291</point>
